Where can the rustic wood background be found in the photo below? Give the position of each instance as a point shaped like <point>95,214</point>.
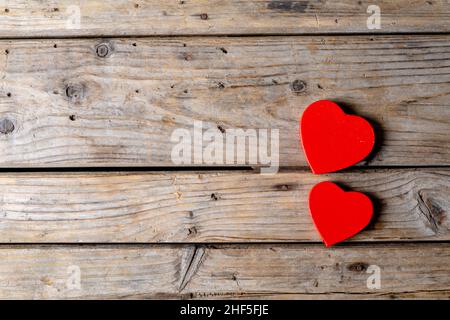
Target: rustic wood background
<point>86,178</point>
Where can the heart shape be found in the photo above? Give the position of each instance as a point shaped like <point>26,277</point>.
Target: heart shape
<point>333,140</point>
<point>338,215</point>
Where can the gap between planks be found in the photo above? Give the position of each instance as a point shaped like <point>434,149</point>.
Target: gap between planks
<point>180,169</point>
<point>225,36</point>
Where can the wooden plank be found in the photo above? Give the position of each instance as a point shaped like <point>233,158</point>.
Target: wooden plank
<point>63,105</point>
<point>295,271</point>
<point>211,207</point>
<point>151,17</point>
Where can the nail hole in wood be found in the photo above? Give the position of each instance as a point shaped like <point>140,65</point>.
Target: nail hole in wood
<point>192,231</point>
<point>215,196</point>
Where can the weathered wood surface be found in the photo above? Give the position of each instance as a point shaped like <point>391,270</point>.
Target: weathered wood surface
<point>20,18</point>
<point>295,271</point>
<point>211,207</point>
<point>61,104</point>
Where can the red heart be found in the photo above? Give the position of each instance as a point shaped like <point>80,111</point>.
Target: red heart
<point>337,214</point>
<point>333,140</point>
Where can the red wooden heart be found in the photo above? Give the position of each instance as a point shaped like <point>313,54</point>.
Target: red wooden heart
<point>333,140</point>
<point>337,214</point>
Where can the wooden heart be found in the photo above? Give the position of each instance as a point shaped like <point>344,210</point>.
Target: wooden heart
<point>338,215</point>
<point>333,140</point>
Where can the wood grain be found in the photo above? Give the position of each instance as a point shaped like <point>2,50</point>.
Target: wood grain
<point>63,105</point>
<point>35,18</point>
<point>103,94</point>
<point>263,271</point>
<point>212,207</point>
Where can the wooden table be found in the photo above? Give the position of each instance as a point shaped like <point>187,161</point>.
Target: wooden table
<point>93,206</point>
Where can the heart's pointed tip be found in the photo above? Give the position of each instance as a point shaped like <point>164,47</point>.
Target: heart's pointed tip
<point>327,241</point>
<point>316,170</point>
<point>331,243</point>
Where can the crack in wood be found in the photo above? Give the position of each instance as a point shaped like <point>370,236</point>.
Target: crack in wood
<point>432,212</point>
<point>195,260</point>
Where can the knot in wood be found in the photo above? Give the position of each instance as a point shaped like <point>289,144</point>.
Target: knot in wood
<point>358,267</point>
<point>103,50</point>
<point>298,86</point>
<point>75,92</point>
<point>6,126</point>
